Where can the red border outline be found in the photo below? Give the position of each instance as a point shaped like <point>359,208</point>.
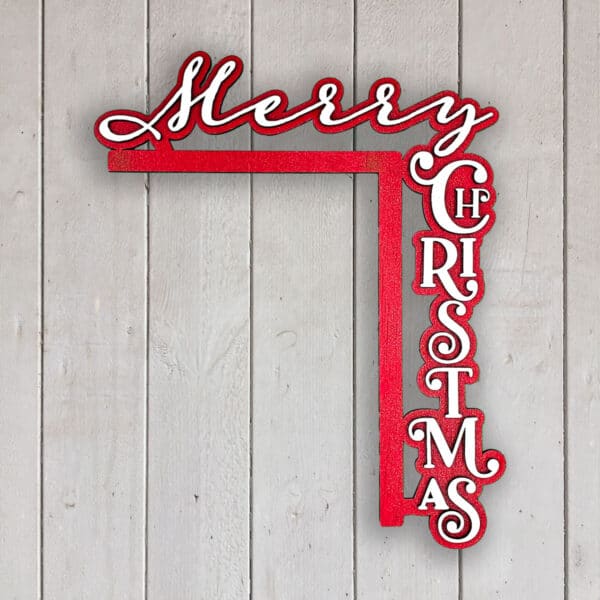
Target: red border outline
<point>390,168</point>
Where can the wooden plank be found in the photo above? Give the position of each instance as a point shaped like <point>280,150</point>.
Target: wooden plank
<point>19,298</point>
<point>199,376</point>
<point>94,300</point>
<point>582,316</point>
<point>519,322</point>
<point>302,343</point>
<point>405,561</point>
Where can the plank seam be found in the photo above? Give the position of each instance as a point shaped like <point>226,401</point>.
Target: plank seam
<point>565,316</point>
<point>354,400</point>
<point>147,306</point>
<point>251,329</point>
<point>41,275</point>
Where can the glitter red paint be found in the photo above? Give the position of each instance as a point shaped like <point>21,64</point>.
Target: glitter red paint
<point>458,200</point>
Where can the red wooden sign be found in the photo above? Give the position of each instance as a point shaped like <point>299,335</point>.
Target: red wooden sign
<point>458,200</point>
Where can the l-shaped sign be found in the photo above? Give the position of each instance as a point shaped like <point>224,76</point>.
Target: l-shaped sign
<point>458,200</point>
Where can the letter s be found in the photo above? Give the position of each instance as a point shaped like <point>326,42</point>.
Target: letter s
<point>452,523</point>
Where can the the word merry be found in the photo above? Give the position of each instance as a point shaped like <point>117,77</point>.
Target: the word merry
<point>197,101</point>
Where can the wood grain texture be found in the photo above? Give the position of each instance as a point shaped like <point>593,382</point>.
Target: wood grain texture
<point>582,315</point>
<point>405,561</point>
<point>512,58</point>
<point>94,339</point>
<point>199,305</point>
<point>302,344</point>
<point>19,299</point>
<point>252,483</point>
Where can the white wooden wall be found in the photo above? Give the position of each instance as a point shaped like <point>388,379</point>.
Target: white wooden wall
<point>188,380</point>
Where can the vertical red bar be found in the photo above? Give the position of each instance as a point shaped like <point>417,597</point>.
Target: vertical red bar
<point>391,414</point>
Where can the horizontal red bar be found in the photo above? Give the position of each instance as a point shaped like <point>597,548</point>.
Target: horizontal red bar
<point>253,161</point>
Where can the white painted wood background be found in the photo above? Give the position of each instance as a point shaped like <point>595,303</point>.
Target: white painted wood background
<point>188,380</point>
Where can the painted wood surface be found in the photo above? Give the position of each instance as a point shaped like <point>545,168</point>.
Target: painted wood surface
<point>520,321</point>
<point>395,562</point>
<point>20,310</point>
<point>302,485</point>
<point>94,310</point>
<point>582,254</point>
<point>202,421</point>
<point>199,337</point>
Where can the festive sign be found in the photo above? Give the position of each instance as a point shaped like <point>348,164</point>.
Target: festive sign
<point>458,200</point>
